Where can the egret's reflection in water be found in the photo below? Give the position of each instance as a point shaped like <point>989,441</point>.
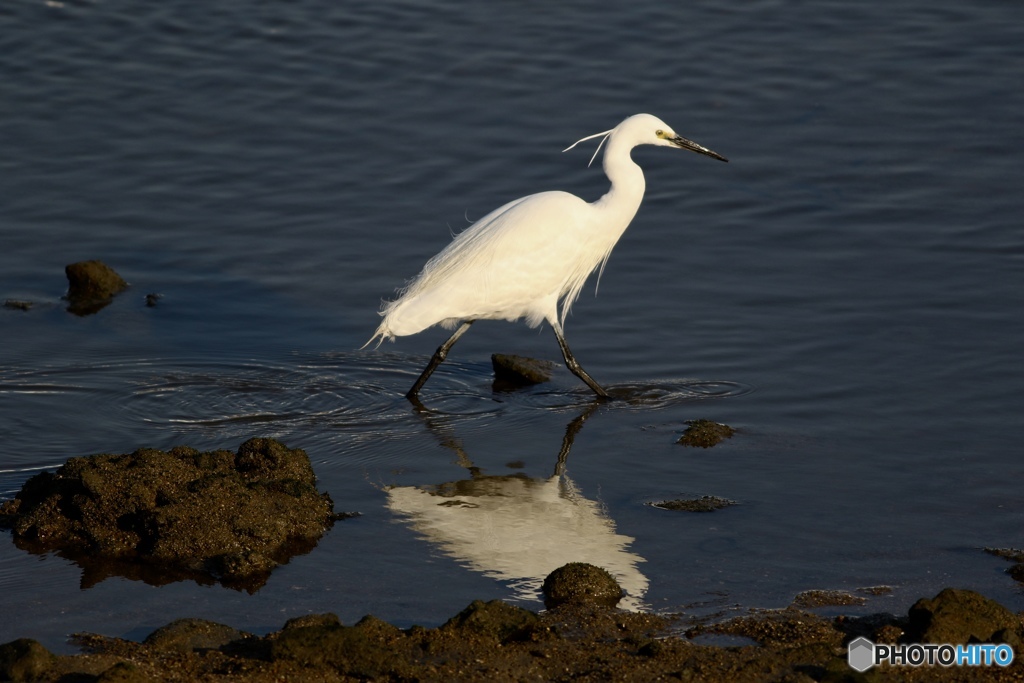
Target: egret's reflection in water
<point>516,528</point>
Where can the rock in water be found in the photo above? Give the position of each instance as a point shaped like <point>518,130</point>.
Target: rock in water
<point>91,286</point>
<point>520,370</point>
<point>579,583</point>
<point>225,516</point>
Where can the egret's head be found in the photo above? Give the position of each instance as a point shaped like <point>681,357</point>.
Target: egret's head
<point>645,129</point>
<point>652,130</point>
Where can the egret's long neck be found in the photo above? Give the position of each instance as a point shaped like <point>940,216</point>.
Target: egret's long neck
<point>622,201</point>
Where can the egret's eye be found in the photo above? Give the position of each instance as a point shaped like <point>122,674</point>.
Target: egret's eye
<point>660,133</point>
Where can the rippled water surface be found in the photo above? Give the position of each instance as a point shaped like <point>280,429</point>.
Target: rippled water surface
<point>847,293</point>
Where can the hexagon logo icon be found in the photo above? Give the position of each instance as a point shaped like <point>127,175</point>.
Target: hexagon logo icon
<point>861,655</point>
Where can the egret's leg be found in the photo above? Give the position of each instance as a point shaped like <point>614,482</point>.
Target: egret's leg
<point>437,358</point>
<point>574,365</point>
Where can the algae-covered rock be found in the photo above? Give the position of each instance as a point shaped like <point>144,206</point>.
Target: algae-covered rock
<point>24,659</point>
<point>495,641</point>
<point>124,672</point>
<point>18,304</point>
<point>579,583</point>
<point>497,619</point>
<point>364,651</point>
<point>512,371</point>
<point>227,516</point>
<point>705,433</point>
<point>959,616</point>
<point>702,504</point>
<point>91,286</point>
<point>826,598</point>
<point>185,635</point>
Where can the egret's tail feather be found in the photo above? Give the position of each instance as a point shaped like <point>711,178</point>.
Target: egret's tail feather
<point>383,332</point>
<point>379,336</point>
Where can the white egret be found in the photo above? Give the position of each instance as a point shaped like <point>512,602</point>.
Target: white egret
<point>521,260</point>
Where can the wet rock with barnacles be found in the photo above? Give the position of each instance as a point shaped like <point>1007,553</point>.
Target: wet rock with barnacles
<point>182,514</point>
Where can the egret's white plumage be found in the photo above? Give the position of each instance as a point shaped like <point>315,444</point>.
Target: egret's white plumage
<point>522,259</point>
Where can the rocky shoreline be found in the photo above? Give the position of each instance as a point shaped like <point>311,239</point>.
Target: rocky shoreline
<point>233,516</point>
<point>580,640</point>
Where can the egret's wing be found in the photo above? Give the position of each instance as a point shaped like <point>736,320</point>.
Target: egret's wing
<point>532,249</point>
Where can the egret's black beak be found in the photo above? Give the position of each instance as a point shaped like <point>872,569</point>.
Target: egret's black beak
<point>681,142</point>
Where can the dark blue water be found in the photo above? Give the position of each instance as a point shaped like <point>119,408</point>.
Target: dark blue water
<point>847,292</point>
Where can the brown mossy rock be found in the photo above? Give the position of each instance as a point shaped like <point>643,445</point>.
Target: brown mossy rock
<point>826,598</point>
<point>24,659</point>
<point>790,626</point>
<point>91,286</point>
<point>495,619</point>
<point>124,672</point>
<point>579,583</point>
<point>186,635</point>
<point>570,643</point>
<point>363,651</point>
<point>702,504</point>
<point>17,304</point>
<point>512,371</point>
<point>229,516</point>
<point>958,616</point>
<point>326,619</point>
<point>705,433</point>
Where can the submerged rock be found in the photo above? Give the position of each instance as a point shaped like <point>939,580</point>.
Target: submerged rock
<point>514,371</point>
<point>702,504</point>
<point>161,517</point>
<point>17,304</point>
<point>1015,555</point>
<point>705,433</point>
<point>826,598</point>
<point>91,286</point>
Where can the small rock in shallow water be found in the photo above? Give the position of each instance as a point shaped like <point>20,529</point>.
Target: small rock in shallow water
<point>705,433</point>
<point>91,286</point>
<point>578,583</point>
<point>824,598</point>
<point>520,370</point>
<point>1011,554</point>
<point>702,504</point>
<point>17,304</point>
<point>1014,555</point>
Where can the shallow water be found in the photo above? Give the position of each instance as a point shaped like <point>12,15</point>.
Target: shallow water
<point>846,292</point>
